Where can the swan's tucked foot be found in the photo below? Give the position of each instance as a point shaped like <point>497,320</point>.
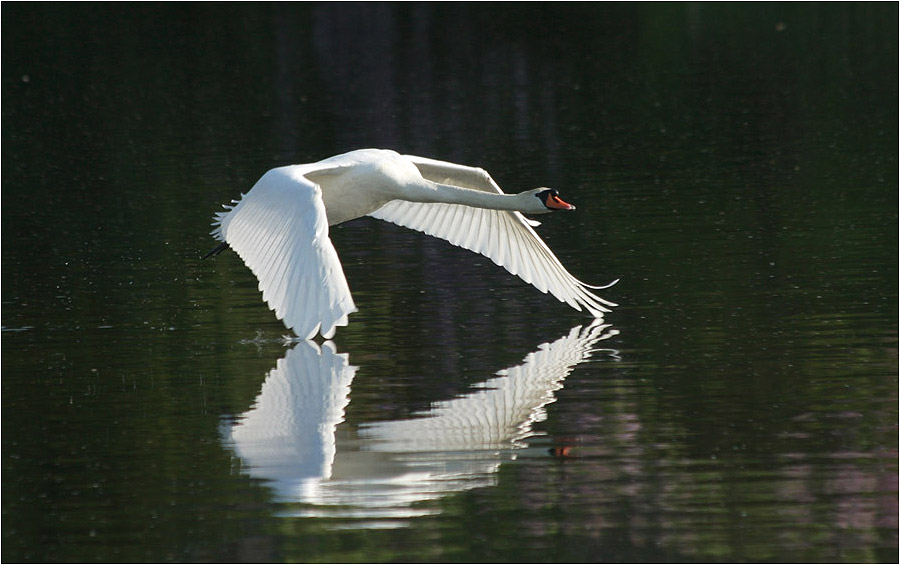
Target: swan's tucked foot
<point>216,250</point>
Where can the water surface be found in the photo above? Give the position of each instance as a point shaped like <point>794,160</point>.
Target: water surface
<point>734,165</point>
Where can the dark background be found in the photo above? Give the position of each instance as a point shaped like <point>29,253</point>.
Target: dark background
<point>734,164</point>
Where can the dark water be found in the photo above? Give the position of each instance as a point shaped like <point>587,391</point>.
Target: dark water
<point>735,165</point>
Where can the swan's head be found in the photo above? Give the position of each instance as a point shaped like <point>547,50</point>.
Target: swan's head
<point>549,200</point>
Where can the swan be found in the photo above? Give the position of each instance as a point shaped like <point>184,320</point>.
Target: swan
<point>280,229</point>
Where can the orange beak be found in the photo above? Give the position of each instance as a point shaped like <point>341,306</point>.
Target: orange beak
<point>557,203</point>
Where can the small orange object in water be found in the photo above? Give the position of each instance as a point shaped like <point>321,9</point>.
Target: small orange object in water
<point>561,451</point>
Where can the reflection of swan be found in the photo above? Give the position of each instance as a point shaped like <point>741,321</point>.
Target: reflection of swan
<point>280,229</point>
<point>291,436</point>
<point>288,435</point>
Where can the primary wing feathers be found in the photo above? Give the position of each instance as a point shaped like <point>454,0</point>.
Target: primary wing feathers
<point>507,238</point>
<point>280,230</point>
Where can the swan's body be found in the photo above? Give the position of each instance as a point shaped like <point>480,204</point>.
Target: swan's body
<point>280,229</point>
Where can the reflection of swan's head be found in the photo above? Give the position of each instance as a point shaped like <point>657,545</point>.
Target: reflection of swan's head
<point>549,201</point>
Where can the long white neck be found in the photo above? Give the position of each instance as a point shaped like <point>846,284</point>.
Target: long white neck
<point>432,192</point>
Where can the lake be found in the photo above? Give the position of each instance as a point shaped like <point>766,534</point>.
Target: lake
<point>734,165</point>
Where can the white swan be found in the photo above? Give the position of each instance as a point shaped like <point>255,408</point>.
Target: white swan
<point>280,229</point>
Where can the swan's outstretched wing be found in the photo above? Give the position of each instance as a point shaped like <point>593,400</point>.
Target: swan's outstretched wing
<point>280,230</point>
<point>507,238</point>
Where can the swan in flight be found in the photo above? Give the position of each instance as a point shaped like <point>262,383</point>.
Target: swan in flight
<point>280,229</point>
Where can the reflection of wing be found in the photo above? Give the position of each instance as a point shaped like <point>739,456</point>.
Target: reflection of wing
<point>496,415</point>
<point>288,435</point>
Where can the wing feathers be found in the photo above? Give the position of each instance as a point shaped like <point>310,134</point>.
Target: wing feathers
<point>507,238</point>
<point>280,231</point>
<point>502,237</point>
